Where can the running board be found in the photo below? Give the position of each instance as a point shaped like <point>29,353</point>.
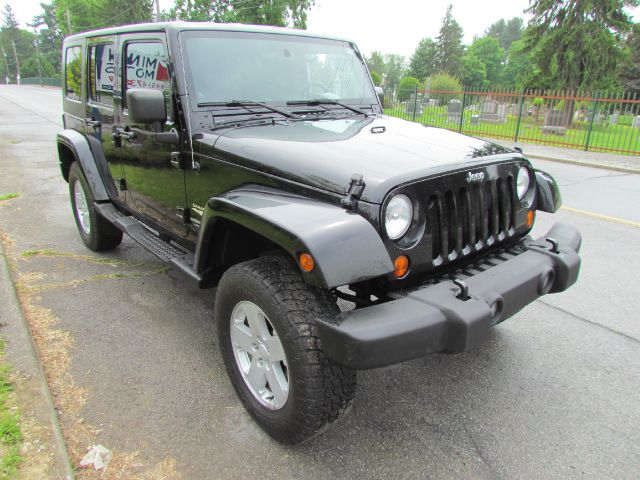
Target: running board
<point>164,250</point>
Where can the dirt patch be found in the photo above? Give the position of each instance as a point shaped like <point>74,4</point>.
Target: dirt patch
<point>54,347</point>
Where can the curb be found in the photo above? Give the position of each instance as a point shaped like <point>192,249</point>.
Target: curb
<point>23,344</point>
<point>581,163</point>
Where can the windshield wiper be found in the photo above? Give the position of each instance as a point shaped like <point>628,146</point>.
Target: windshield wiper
<point>256,121</point>
<point>248,103</point>
<point>320,102</point>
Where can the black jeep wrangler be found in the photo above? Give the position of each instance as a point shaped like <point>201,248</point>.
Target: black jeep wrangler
<point>259,161</point>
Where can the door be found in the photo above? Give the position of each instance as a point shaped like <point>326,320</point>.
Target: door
<point>155,184</point>
<point>100,116</point>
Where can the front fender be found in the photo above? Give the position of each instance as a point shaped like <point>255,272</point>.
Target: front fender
<point>87,151</point>
<point>346,247</point>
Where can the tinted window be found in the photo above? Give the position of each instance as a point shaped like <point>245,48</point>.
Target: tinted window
<point>146,66</point>
<point>102,73</point>
<point>73,72</point>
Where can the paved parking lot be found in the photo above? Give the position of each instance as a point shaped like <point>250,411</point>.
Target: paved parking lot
<point>554,393</point>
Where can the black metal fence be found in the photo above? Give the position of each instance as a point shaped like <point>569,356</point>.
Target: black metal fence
<point>597,121</point>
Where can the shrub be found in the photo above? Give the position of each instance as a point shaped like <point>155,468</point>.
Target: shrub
<point>407,87</point>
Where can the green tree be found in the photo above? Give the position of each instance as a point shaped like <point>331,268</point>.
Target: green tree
<point>49,36</point>
<point>474,71</point>
<point>395,66</point>
<point>376,78</point>
<point>73,16</point>
<point>491,54</point>
<point>423,60</point>
<point>280,13</point>
<point>629,71</point>
<point>449,48</point>
<point>577,44</point>
<point>519,70</point>
<point>14,42</point>
<point>376,63</point>
<point>506,31</point>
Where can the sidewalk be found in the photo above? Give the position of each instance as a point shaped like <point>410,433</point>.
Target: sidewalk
<point>44,452</point>
<point>611,161</point>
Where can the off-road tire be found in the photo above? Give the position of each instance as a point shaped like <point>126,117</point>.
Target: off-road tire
<point>102,234</point>
<point>319,390</point>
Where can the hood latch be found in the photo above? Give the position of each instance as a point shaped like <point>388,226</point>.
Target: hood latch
<point>354,190</point>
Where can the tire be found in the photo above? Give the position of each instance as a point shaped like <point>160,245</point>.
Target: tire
<point>319,391</point>
<point>96,231</point>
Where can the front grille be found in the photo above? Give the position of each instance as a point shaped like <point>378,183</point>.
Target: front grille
<point>470,218</point>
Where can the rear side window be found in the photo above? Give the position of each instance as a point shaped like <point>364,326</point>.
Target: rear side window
<point>73,72</point>
<point>102,73</point>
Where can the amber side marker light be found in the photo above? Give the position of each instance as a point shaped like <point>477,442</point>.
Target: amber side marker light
<point>530,217</point>
<point>306,262</point>
<point>401,266</point>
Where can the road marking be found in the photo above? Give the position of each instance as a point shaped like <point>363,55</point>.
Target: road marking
<point>600,216</point>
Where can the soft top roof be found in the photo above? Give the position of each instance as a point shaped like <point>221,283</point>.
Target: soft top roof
<point>186,26</point>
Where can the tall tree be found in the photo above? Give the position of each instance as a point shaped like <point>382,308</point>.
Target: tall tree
<point>423,60</point>
<point>629,70</point>
<point>519,70</point>
<point>49,35</point>
<point>506,31</point>
<point>280,13</point>
<point>576,44</point>
<point>390,67</point>
<point>474,71</point>
<point>375,63</point>
<point>449,48</point>
<point>491,54</point>
<point>75,16</point>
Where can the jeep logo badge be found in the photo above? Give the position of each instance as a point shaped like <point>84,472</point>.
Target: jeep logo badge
<point>475,177</point>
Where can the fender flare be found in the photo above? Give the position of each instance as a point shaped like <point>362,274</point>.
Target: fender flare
<point>88,152</point>
<point>345,246</point>
<point>547,193</point>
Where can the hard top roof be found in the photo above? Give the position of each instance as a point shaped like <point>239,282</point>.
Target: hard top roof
<point>182,26</point>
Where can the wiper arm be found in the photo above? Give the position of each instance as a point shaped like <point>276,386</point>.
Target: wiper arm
<point>238,122</point>
<point>319,101</point>
<point>248,103</point>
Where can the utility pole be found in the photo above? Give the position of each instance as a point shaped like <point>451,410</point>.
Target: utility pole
<point>69,22</point>
<point>6,63</point>
<point>157,14</point>
<point>35,44</point>
<point>15,54</point>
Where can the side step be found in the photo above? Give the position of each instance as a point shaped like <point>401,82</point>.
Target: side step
<point>165,251</point>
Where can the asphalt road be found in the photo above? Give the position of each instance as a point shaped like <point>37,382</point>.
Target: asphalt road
<point>554,393</point>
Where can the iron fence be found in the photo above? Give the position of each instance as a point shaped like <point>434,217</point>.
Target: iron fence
<point>597,121</point>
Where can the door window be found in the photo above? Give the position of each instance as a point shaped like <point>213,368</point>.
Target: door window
<point>146,66</point>
<point>102,73</point>
<point>73,72</point>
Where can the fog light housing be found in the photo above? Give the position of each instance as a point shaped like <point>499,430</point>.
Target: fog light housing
<point>401,266</point>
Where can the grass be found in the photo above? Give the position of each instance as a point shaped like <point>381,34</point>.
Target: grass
<point>8,196</point>
<point>604,137</point>
<point>10,435</point>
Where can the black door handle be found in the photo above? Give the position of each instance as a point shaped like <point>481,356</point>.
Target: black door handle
<point>122,133</point>
<point>90,122</point>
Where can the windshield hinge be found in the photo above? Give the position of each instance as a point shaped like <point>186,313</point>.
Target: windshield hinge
<point>354,190</point>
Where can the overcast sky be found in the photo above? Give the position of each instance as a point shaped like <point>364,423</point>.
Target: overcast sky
<point>391,27</point>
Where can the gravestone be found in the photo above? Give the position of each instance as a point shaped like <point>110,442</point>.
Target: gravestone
<point>413,105</point>
<point>636,122</point>
<point>454,110</point>
<point>613,120</point>
<point>433,102</point>
<point>492,112</point>
<point>514,109</point>
<point>554,122</point>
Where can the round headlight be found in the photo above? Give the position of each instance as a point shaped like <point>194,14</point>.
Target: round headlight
<point>523,181</point>
<point>397,217</point>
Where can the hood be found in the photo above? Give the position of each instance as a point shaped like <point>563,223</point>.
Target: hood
<point>325,153</point>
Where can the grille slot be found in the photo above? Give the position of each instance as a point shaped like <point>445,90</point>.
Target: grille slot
<point>470,218</point>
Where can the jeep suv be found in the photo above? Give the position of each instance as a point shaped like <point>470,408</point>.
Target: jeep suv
<point>259,161</point>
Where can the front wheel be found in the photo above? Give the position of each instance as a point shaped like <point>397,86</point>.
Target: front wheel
<point>265,316</point>
<point>96,231</point>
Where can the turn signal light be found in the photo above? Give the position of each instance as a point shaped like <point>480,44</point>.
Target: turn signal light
<point>306,262</point>
<point>401,266</point>
<point>530,217</point>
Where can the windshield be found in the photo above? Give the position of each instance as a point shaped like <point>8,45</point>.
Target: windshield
<point>228,66</point>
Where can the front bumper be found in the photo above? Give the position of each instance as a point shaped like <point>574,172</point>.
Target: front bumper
<point>434,318</point>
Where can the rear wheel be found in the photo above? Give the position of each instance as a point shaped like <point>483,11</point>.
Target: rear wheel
<point>265,317</point>
<point>96,232</point>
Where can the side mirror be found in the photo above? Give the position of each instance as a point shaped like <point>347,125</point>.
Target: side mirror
<point>380,94</point>
<point>146,105</point>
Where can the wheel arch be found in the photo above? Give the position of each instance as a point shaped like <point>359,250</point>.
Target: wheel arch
<point>346,247</point>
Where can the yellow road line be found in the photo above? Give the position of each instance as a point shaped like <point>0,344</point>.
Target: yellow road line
<point>600,216</point>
